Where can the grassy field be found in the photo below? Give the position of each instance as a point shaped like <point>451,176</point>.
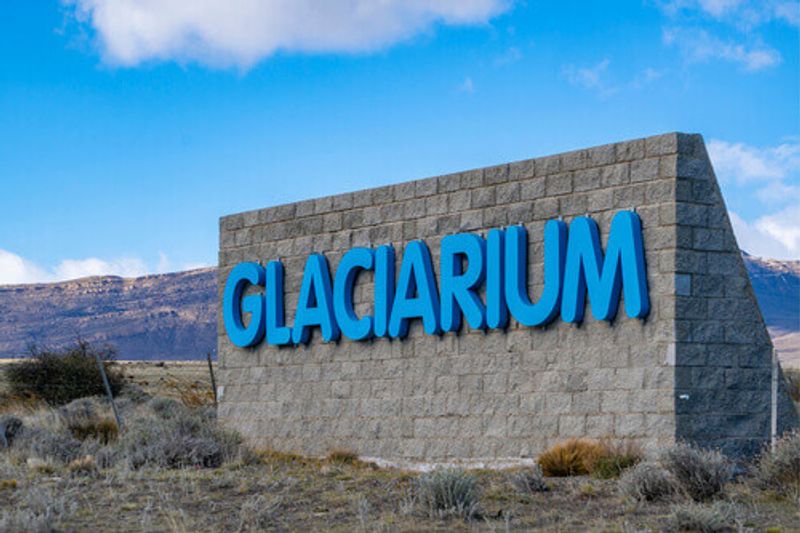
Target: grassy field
<point>171,379</point>
<point>265,490</point>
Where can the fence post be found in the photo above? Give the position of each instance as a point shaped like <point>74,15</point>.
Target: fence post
<point>108,389</point>
<point>213,381</point>
<point>774,401</point>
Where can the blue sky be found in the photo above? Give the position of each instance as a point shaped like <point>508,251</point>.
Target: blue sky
<point>127,127</point>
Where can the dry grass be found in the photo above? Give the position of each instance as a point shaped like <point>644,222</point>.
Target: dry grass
<point>284,491</point>
<point>288,492</point>
<point>342,457</point>
<point>573,457</point>
<point>603,459</point>
<point>792,376</point>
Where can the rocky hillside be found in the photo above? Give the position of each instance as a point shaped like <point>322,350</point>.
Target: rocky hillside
<point>777,287</point>
<point>173,316</point>
<point>168,316</point>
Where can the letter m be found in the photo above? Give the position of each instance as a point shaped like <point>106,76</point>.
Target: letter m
<point>622,269</point>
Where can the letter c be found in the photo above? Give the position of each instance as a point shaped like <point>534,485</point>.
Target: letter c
<point>351,263</point>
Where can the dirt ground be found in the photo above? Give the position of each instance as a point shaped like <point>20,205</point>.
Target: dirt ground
<point>285,495</point>
<point>279,492</point>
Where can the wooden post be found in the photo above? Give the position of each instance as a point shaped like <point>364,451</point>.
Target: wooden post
<point>774,401</point>
<point>213,381</point>
<point>108,389</point>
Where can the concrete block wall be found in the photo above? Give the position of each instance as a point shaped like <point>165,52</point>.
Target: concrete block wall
<point>723,356</point>
<point>505,395</point>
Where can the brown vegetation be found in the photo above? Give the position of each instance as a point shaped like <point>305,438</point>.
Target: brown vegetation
<point>172,468</point>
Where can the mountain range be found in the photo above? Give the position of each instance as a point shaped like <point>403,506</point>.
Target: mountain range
<point>174,316</point>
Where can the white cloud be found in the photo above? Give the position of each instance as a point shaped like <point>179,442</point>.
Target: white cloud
<point>467,86</point>
<point>774,236</point>
<point>15,269</point>
<point>92,266</point>
<point>241,32</point>
<point>742,13</point>
<point>717,8</point>
<point>699,46</point>
<point>770,177</point>
<point>745,163</point>
<point>592,78</point>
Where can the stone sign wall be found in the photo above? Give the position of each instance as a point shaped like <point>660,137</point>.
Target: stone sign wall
<point>696,368</point>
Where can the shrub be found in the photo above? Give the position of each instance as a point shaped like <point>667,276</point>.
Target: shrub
<point>134,393</point>
<point>259,513</point>
<point>782,467</point>
<point>615,459</point>
<point>82,466</point>
<point>342,457</point>
<point>185,439</point>
<point>448,492</point>
<point>58,377</point>
<point>9,427</point>
<point>715,518</point>
<point>166,408</point>
<point>40,509</point>
<point>648,482</point>
<point>702,474</point>
<point>574,457</point>
<point>46,444</point>
<point>792,376</point>
<point>84,421</point>
<point>529,480</point>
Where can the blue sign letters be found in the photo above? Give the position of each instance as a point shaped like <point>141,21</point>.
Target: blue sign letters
<point>574,266</point>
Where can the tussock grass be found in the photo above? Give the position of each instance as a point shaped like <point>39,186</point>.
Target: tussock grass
<point>573,457</point>
<point>448,493</point>
<point>792,377</point>
<point>780,469</point>
<point>615,459</point>
<point>648,482</point>
<point>702,474</point>
<point>342,457</point>
<point>718,517</point>
<point>576,457</point>
<point>529,480</point>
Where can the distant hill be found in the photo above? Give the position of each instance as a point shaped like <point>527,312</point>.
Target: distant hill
<point>173,316</point>
<point>777,287</point>
<point>166,316</point>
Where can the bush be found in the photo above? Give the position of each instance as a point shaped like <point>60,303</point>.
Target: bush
<point>258,513</point>
<point>780,468</point>
<point>342,457</point>
<point>574,457</point>
<point>648,482</point>
<point>185,439</point>
<point>448,492</point>
<point>792,376</point>
<point>40,509</point>
<point>84,421</point>
<point>615,459</point>
<point>715,518</point>
<point>58,377</point>
<point>46,444</point>
<point>9,427</point>
<point>166,408</point>
<point>530,480</point>
<point>702,474</point>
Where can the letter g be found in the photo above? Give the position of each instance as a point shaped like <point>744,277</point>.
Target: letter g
<point>233,304</point>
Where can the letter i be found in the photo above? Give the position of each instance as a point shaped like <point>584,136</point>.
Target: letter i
<point>384,288</point>
<point>496,309</point>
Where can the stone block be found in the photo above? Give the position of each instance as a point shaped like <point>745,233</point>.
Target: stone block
<point>696,368</point>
